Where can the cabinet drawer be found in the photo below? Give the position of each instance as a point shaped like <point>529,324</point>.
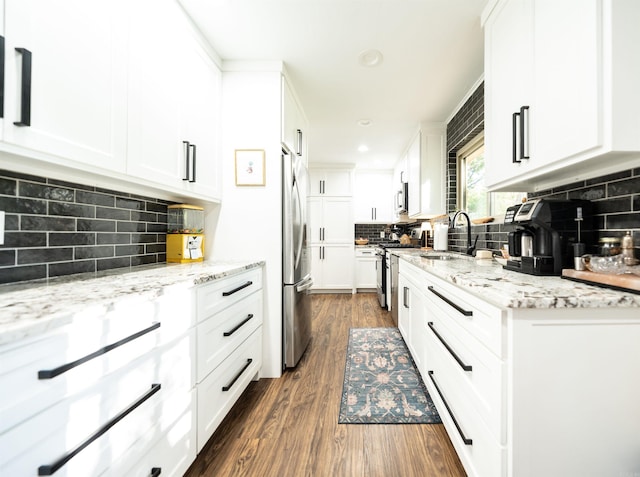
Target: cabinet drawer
<point>481,454</point>
<point>222,293</point>
<point>220,334</point>
<point>53,432</point>
<point>484,322</point>
<point>220,390</point>
<point>477,373</point>
<point>20,365</point>
<point>174,452</point>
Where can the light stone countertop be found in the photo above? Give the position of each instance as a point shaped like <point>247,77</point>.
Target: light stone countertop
<point>508,289</point>
<point>30,308</point>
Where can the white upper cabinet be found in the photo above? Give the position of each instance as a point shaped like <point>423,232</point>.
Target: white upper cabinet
<point>426,165</point>
<point>561,96</point>
<point>65,81</point>
<point>413,170</point>
<point>508,85</point>
<point>294,123</point>
<point>331,182</point>
<point>373,197</point>
<point>174,102</point>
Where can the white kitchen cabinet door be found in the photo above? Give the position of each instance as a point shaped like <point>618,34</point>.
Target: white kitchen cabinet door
<point>365,272</point>
<point>201,120</point>
<point>330,182</point>
<point>330,220</point>
<point>432,169</point>
<point>373,197</point>
<point>508,85</point>
<point>155,148</point>
<point>174,102</point>
<point>414,168</point>
<point>294,125</point>
<point>78,97</point>
<point>574,66</point>
<point>404,307</point>
<point>332,266</point>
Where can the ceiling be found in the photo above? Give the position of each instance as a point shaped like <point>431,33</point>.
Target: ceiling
<point>432,55</point>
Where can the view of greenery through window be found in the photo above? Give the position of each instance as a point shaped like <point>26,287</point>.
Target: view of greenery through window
<point>475,199</point>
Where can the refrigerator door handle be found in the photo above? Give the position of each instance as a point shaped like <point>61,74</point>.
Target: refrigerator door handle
<point>305,285</point>
<point>300,237</point>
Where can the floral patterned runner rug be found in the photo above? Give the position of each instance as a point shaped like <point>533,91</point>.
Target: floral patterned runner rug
<point>381,382</point>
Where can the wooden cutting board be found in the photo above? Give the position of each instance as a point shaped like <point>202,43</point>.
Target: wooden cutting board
<point>623,282</point>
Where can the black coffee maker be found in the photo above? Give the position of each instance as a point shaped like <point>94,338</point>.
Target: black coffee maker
<point>544,233</point>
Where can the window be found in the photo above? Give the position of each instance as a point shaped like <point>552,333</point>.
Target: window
<point>473,196</point>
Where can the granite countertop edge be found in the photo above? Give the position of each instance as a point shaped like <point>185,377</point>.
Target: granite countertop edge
<point>31,308</point>
<point>487,280</point>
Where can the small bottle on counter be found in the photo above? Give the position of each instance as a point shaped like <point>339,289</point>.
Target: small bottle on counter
<point>627,249</point>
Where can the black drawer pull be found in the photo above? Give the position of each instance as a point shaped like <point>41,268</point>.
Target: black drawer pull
<point>245,285</point>
<point>193,163</point>
<point>444,298</point>
<point>1,77</point>
<point>514,141</point>
<point>155,472</point>
<point>465,439</point>
<point>25,89</point>
<point>187,151</point>
<point>52,468</point>
<point>524,143</point>
<point>466,367</point>
<point>52,373</point>
<point>240,325</point>
<point>230,385</point>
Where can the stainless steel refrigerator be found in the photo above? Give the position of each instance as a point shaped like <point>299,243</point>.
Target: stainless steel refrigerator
<point>296,269</point>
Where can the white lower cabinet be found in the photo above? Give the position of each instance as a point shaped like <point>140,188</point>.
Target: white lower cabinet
<point>525,392</point>
<point>229,346</point>
<point>221,388</point>
<point>332,267</point>
<point>117,392</point>
<point>365,268</point>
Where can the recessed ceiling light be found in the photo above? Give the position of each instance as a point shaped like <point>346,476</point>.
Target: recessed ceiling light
<point>370,58</point>
<point>364,122</point>
<point>363,148</point>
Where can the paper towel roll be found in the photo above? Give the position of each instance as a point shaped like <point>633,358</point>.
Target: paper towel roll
<point>441,237</point>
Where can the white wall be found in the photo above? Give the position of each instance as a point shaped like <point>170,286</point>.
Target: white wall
<point>248,224</point>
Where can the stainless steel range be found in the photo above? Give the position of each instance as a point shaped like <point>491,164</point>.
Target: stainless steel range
<point>383,272</point>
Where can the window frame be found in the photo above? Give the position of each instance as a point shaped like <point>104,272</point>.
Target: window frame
<point>465,151</point>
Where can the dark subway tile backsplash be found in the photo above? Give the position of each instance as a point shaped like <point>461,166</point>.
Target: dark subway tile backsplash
<point>56,228</point>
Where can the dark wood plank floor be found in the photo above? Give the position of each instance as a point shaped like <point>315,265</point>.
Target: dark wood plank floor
<point>288,427</point>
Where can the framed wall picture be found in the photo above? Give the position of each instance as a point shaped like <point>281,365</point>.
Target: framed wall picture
<point>250,167</point>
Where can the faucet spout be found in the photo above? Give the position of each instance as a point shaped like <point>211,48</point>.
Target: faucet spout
<point>470,246</point>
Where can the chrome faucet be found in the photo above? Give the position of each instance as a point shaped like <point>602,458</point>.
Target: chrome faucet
<point>470,247</point>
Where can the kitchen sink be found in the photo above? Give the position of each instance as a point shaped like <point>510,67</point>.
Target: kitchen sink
<point>438,256</point>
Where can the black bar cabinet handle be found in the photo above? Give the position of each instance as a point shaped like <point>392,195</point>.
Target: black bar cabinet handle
<point>187,151</point>
<point>25,89</point>
<point>231,292</point>
<point>155,471</point>
<point>240,325</point>
<point>466,367</point>
<point>237,376</point>
<point>1,77</point>
<point>193,163</point>
<point>524,113</point>
<point>52,373</point>
<point>449,302</point>
<point>57,465</point>
<point>514,140</point>
<point>405,300</point>
<point>465,439</point>
<point>299,145</point>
